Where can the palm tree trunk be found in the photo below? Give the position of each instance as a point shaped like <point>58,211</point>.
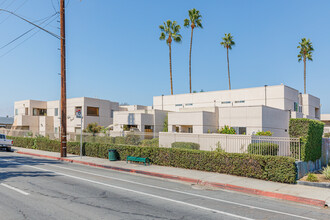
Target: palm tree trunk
<point>228,69</point>
<point>304,75</point>
<point>192,30</point>
<point>169,45</point>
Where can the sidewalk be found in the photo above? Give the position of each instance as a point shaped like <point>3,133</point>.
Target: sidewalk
<point>292,192</point>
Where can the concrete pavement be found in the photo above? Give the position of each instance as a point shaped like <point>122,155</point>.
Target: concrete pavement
<point>291,192</point>
<point>39,188</point>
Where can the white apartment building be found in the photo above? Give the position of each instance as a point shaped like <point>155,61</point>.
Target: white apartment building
<point>247,110</point>
<point>142,119</point>
<point>325,118</point>
<point>43,117</point>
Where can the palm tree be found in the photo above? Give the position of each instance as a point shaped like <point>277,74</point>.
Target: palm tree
<point>194,21</point>
<point>306,49</point>
<point>170,30</point>
<point>228,43</point>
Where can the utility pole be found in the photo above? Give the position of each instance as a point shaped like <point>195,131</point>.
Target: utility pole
<point>63,82</point>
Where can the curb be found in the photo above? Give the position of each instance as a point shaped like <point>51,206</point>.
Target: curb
<point>315,184</point>
<point>298,199</point>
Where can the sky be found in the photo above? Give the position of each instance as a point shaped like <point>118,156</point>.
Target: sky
<point>114,51</point>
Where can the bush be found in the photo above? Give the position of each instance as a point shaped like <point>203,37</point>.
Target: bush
<point>311,177</point>
<point>310,133</point>
<point>264,133</point>
<point>132,139</point>
<point>150,143</point>
<point>227,130</point>
<point>327,135</point>
<point>278,169</point>
<point>186,145</point>
<point>326,172</point>
<point>263,148</point>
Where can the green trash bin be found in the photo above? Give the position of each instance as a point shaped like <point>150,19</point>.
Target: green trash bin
<point>112,154</point>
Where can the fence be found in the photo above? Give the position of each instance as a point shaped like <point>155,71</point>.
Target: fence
<point>325,159</point>
<point>125,137</point>
<point>264,145</point>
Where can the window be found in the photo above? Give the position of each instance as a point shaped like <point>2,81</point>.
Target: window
<point>56,112</point>
<point>39,112</point>
<point>295,106</point>
<point>240,101</point>
<point>189,104</point>
<point>26,111</point>
<point>16,111</point>
<point>111,113</point>
<point>56,130</point>
<point>178,104</point>
<point>240,130</point>
<point>226,102</point>
<point>92,111</point>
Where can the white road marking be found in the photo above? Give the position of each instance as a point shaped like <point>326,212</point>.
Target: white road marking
<point>138,192</point>
<point>187,193</point>
<point>15,189</point>
<point>157,187</point>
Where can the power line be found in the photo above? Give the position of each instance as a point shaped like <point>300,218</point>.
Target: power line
<point>26,32</point>
<point>14,11</point>
<point>27,38</point>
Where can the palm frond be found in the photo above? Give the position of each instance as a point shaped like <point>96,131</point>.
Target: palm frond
<point>186,22</point>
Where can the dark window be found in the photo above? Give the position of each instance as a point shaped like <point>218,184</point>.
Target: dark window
<point>92,111</point>
<point>56,112</point>
<point>111,113</point>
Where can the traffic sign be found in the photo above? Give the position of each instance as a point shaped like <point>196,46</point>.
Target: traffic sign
<point>78,114</point>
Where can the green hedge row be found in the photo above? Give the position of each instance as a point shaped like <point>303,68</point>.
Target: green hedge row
<point>273,168</point>
<point>186,145</point>
<point>310,133</point>
<point>263,148</point>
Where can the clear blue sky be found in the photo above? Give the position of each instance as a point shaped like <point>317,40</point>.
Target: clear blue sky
<point>114,52</point>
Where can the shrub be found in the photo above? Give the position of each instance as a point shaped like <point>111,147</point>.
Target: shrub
<point>310,133</point>
<point>227,130</point>
<point>150,143</point>
<point>264,133</point>
<point>263,148</point>
<point>278,169</point>
<point>186,145</point>
<point>119,140</point>
<point>327,135</point>
<point>311,177</point>
<point>132,139</point>
<point>326,172</point>
<point>93,128</point>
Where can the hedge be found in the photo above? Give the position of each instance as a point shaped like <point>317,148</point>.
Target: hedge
<point>310,133</point>
<point>263,148</point>
<point>272,168</point>
<point>185,145</point>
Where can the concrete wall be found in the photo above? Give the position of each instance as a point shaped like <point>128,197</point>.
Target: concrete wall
<point>52,122</point>
<point>325,118</point>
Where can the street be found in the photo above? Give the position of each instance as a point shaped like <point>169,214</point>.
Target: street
<point>35,188</point>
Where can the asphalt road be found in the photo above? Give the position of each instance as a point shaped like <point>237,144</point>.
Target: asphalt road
<point>34,188</point>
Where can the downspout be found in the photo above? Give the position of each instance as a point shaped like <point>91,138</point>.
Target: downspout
<point>265,95</point>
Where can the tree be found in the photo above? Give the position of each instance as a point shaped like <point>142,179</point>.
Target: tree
<point>306,50</point>
<point>228,43</point>
<point>93,128</point>
<point>170,30</point>
<point>194,21</point>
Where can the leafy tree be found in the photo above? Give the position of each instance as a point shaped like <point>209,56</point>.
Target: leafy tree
<point>194,21</point>
<point>227,43</point>
<point>93,128</point>
<point>305,53</point>
<point>165,126</point>
<point>169,32</point>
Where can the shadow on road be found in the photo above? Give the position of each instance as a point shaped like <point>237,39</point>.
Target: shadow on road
<point>13,162</point>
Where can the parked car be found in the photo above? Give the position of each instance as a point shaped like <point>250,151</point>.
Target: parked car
<point>5,143</point>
